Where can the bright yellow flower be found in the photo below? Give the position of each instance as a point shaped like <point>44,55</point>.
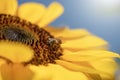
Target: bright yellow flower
<point>30,52</point>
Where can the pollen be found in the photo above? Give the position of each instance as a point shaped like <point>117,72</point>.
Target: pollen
<point>46,47</point>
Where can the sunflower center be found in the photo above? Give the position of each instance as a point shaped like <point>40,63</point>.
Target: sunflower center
<point>46,48</point>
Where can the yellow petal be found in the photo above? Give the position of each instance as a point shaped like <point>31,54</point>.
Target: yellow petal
<point>15,72</point>
<point>64,74</point>
<point>106,68</point>
<point>8,6</point>
<point>87,42</point>
<point>31,11</point>
<point>54,10</point>
<point>87,55</point>
<point>55,72</point>
<point>104,47</point>
<point>75,67</point>
<point>90,53</point>
<point>93,76</point>
<point>65,33</point>
<point>41,72</point>
<point>79,59</point>
<point>1,63</point>
<point>55,30</point>
<point>15,52</point>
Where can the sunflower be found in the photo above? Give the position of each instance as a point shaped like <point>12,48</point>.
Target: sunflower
<point>33,50</point>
